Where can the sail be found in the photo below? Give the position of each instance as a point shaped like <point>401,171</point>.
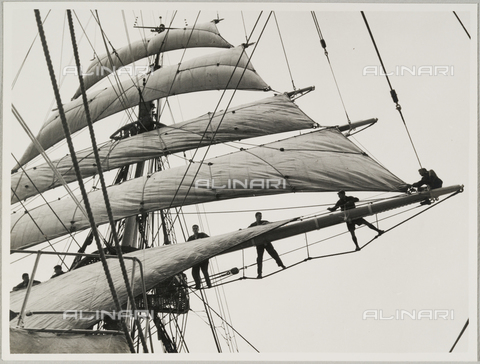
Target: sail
<point>86,289</point>
<point>272,115</point>
<point>228,69</point>
<point>201,35</point>
<point>324,160</point>
<point>28,342</point>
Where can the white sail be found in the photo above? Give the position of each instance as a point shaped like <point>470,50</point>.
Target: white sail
<point>324,160</point>
<point>228,69</point>
<point>201,35</point>
<point>86,289</point>
<point>33,342</point>
<point>269,116</point>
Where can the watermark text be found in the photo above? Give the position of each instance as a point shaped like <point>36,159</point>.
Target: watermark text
<point>101,314</point>
<point>412,71</point>
<point>233,184</point>
<point>105,71</point>
<point>408,315</point>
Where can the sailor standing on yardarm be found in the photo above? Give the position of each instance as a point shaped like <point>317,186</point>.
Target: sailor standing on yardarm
<point>346,203</point>
<point>265,246</point>
<point>202,265</point>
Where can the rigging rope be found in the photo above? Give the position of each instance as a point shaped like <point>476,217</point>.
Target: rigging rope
<point>56,215</point>
<point>221,318</point>
<point>324,46</point>
<point>284,52</point>
<point>180,332</point>
<point>127,111</point>
<point>392,91</point>
<point>160,112</point>
<point>460,335</point>
<point>77,171</point>
<point>220,122</point>
<point>128,36</point>
<point>309,257</point>
<point>26,56</point>
<point>122,96</point>
<point>47,159</point>
<point>224,310</point>
<point>61,48</point>
<point>210,320</point>
<point>463,26</point>
<point>62,79</point>
<point>102,180</point>
<point>244,28</point>
<point>40,229</point>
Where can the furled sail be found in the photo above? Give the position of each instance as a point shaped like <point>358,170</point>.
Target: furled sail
<point>324,160</point>
<point>228,69</point>
<point>82,290</point>
<point>201,35</point>
<point>28,342</point>
<point>272,115</point>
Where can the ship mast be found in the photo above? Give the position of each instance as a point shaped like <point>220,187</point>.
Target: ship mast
<point>134,230</point>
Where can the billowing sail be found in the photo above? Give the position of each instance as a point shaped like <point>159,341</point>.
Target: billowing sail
<point>324,160</point>
<point>201,35</point>
<point>275,114</point>
<point>228,69</point>
<point>86,289</point>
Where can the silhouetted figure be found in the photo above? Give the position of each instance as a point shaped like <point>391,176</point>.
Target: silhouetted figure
<point>203,265</point>
<point>430,179</point>
<point>346,203</point>
<point>24,284</point>
<point>58,271</point>
<point>265,246</point>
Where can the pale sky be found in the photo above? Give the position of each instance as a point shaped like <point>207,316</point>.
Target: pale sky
<point>316,309</point>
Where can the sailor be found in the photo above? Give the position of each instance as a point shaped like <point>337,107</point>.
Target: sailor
<point>347,203</point>
<point>265,246</point>
<point>24,284</point>
<point>58,271</point>
<point>202,265</point>
<point>430,179</point>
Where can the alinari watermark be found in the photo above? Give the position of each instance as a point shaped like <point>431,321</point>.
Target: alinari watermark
<point>426,70</point>
<point>256,183</point>
<point>409,315</point>
<point>101,315</point>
